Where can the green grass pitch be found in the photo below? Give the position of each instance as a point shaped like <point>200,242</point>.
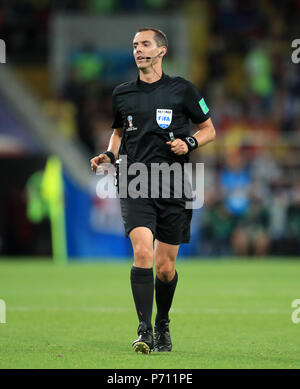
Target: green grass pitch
<point>226,314</point>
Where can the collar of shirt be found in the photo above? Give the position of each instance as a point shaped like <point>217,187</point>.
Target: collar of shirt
<point>148,87</point>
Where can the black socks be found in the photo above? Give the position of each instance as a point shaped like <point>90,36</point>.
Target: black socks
<point>164,292</point>
<point>142,286</point>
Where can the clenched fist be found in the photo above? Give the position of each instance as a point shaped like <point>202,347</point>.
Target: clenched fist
<point>178,146</point>
<point>96,161</point>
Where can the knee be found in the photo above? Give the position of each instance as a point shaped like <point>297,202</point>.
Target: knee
<point>165,270</point>
<point>143,256</point>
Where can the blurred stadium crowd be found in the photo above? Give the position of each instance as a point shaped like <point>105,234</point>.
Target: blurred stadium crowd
<point>252,183</point>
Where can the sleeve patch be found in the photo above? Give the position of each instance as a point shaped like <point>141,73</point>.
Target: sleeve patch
<point>203,106</point>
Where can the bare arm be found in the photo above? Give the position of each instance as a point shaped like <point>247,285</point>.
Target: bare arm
<point>205,134</point>
<point>115,141</point>
<point>114,146</point>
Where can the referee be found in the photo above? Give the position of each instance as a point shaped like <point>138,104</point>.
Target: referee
<point>151,125</point>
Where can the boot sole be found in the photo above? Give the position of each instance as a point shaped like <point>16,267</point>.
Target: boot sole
<point>141,347</point>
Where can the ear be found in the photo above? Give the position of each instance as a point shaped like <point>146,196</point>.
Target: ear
<point>163,52</point>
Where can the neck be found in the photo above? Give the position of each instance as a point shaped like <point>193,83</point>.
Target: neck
<point>150,75</point>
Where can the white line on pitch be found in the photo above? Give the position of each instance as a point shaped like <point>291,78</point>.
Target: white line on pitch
<point>248,311</point>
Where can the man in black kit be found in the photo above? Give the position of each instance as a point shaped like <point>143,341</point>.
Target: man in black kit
<point>151,125</point>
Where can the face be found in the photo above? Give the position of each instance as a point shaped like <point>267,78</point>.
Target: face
<point>144,45</point>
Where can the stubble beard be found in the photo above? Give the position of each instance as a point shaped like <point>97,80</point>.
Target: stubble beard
<point>145,68</point>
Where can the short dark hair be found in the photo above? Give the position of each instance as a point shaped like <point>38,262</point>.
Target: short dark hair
<point>159,36</point>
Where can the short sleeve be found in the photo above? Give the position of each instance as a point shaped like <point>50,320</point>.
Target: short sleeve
<point>117,116</point>
<point>194,105</point>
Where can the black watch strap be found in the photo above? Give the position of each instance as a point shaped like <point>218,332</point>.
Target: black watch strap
<point>191,142</point>
<point>111,156</point>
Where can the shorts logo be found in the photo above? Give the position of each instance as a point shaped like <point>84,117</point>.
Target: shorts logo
<point>130,123</point>
<point>164,117</point>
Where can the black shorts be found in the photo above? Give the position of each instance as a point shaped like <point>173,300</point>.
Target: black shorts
<point>168,219</point>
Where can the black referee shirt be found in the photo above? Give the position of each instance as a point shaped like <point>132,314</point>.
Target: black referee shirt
<point>148,112</point>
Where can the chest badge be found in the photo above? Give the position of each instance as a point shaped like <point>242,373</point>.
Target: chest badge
<point>164,117</point>
<point>130,124</point>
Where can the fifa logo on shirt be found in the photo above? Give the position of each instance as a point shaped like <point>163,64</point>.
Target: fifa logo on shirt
<point>2,51</point>
<point>296,53</point>
<point>164,117</point>
<point>2,312</point>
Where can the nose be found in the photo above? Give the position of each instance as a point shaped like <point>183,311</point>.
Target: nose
<point>139,53</point>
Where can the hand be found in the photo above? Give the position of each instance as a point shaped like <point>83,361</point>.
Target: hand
<point>96,161</point>
<point>178,146</point>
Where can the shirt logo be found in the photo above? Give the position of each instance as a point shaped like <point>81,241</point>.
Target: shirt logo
<point>203,106</point>
<point>164,117</point>
<point>130,124</point>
